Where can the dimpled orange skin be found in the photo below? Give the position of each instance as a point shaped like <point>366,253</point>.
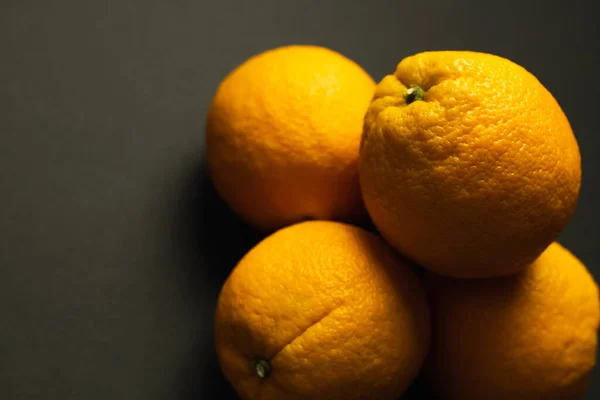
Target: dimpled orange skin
<point>479,177</point>
<point>334,310</point>
<point>528,336</point>
<point>283,133</point>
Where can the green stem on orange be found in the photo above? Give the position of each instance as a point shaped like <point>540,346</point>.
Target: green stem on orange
<point>414,93</point>
<point>262,368</point>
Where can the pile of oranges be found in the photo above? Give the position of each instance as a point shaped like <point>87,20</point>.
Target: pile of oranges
<point>468,169</point>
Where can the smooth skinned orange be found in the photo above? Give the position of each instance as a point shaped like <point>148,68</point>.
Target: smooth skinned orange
<point>283,133</point>
<point>468,164</point>
<point>530,336</point>
<point>321,310</point>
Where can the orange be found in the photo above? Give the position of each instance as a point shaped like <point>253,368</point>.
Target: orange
<point>283,133</point>
<point>321,310</point>
<point>468,164</point>
<point>527,336</point>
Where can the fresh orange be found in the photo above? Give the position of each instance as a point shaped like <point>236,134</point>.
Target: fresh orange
<point>468,165</point>
<point>321,310</point>
<point>528,336</point>
<point>283,133</point>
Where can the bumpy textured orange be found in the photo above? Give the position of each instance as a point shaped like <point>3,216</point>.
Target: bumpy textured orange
<point>283,134</point>
<point>529,336</point>
<point>322,310</point>
<point>468,164</point>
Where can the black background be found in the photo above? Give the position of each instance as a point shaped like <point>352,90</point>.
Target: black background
<point>113,245</point>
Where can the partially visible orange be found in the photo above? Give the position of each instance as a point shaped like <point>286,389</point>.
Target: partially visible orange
<point>529,336</point>
<point>283,134</point>
<point>321,310</point>
<point>468,164</point>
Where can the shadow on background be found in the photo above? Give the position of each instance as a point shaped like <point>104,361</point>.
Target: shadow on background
<point>204,379</point>
<point>214,240</point>
<point>217,236</point>
<point>418,391</point>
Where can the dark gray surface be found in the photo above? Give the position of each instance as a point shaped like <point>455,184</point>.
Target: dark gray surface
<point>109,230</point>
